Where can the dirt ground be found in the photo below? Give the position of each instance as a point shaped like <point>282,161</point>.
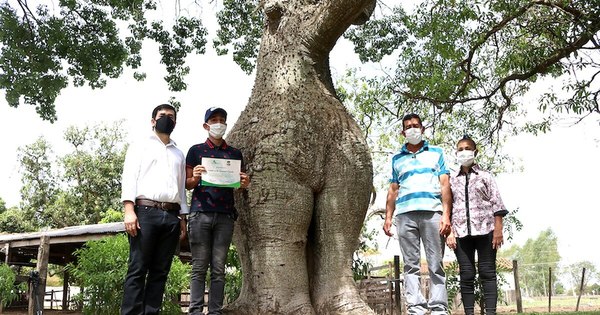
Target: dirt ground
<point>501,310</point>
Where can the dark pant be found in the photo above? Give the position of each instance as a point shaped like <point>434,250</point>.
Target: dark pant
<point>150,256</point>
<point>486,265</point>
<point>210,236</point>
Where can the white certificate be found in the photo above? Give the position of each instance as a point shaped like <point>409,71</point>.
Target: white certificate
<point>221,172</point>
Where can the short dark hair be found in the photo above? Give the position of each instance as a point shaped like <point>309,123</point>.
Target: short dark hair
<point>467,138</point>
<point>410,117</point>
<point>164,106</point>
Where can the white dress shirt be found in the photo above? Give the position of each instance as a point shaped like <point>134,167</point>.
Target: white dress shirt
<point>155,171</point>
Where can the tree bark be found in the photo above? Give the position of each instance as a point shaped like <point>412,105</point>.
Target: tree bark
<point>301,217</point>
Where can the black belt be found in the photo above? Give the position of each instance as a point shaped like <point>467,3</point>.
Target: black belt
<point>167,206</point>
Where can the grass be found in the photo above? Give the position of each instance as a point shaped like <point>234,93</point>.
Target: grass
<point>561,305</point>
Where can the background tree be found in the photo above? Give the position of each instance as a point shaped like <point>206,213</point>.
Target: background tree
<point>45,48</point>
<point>78,188</point>
<point>574,271</point>
<point>465,64</point>
<point>535,258</point>
<point>12,220</point>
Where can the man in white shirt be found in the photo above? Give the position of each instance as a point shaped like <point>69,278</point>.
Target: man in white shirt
<point>154,199</point>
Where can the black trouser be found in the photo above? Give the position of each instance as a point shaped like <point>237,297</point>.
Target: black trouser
<point>150,256</point>
<point>486,265</point>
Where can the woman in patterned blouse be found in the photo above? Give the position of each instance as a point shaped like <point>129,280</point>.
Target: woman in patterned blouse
<point>477,212</point>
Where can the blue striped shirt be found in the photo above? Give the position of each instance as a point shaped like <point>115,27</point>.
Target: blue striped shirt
<point>418,174</point>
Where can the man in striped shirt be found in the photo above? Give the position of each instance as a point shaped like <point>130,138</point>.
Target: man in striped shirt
<point>420,195</point>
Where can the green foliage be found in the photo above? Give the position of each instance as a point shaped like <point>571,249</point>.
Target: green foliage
<point>79,187</point>
<point>378,38</point>
<point>13,220</point>
<point>465,65</point>
<point>87,41</point>
<point>233,275</point>
<point>535,258</point>
<point>241,26</point>
<point>177,282</point>
<point>574,271</point>
<point>511,224</point>
<point>8,291</point>
<point>100,270</point>
<point>112,215</point>
<point>453,284</point>
<point>2,205</point>
<point>367,244</point>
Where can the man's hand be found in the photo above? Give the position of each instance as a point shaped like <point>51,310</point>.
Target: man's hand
<point>183,226</point>
<point>130,220</point>
<point>197,171</point>
<point>387,226</point>
<point>445,226</point>
<point>451,241</point>
<point>244,180</point>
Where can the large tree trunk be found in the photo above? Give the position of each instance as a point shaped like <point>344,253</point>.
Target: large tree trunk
<point>301,217</point>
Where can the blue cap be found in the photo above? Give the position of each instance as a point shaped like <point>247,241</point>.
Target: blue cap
<point>214,110</point>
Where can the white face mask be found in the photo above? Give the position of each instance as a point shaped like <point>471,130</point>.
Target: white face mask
<point>413,135</point>
<point>465,157</point>
<point>217,130</point>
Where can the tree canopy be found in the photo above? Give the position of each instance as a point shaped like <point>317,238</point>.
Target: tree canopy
<point>463,64</point>
<point>81,187</point>
<point>44,48</point>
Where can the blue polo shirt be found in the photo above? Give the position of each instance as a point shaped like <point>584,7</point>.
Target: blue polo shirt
<point>206,198</point>
<point>418,175</point>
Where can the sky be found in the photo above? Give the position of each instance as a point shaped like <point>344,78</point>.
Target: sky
<point>557,188</point>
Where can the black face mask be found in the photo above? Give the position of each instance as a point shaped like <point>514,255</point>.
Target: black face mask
<point>165,125</point>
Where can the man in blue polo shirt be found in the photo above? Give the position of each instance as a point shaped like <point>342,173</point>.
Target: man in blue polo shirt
<point>212,215</point>
<point>420,192</point>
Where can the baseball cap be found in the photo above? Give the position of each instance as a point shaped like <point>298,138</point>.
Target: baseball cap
<point>214,110</point>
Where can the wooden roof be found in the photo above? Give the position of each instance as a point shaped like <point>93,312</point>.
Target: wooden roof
<point>23,247</point>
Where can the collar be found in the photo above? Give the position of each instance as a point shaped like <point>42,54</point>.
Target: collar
<point>474,169</point>
<point>212,145</point>
<point>154,137</point>
<point>405,150</point>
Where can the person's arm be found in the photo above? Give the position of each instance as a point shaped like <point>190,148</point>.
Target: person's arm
<point>498,238</point>
<point>130,218</point>
<point>193,176</point>
<point>184,209</point>
<point>451,240</point>
<point>390,206</point>
<point>446,204</point>
<point>129,179</point>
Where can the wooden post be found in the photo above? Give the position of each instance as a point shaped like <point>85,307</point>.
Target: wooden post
<point>517,287</point>
<point>42,268</point>
<point>397,283</point>
<point>65,295</point>
<point>580,290</point>
<point>549,289</point>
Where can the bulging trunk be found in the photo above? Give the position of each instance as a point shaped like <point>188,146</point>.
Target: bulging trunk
<point>311,172</point>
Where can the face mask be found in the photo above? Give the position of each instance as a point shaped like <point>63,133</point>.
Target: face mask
<point>413,135</point>
<point>165,125</point>
<point>465,157</point>
<point>217,130</point>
